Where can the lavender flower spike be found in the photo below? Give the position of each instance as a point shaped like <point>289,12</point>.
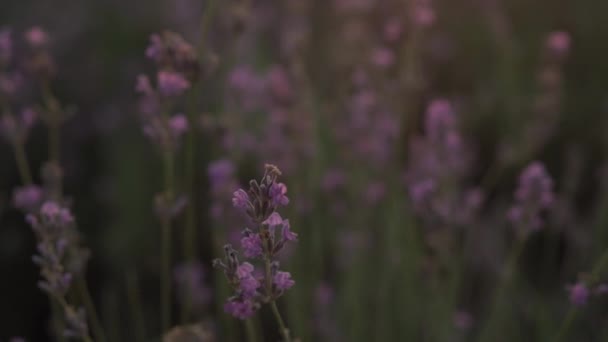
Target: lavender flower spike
<point>259,203</point>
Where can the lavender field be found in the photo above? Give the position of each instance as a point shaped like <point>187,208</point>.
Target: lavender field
<point>303,170</point>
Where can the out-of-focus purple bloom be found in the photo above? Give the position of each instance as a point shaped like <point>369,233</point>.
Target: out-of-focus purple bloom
<point>278,84</point>
<point>463,320</point>
<point>171,83</point>
<point>10,82</point>
<point>54,214</point>
<point>278,193</point>
<point>171,52</point>
<point>143,85</point>
<point>438,166</point>
<point>383,57</point>
<point>533,195</point>
<point>393,29</point>
<point>578,294</point>
<point>241,309</point>
<point>558,43</point>
<point>28,198</point>
<point>36,37</point>
<point>178,124</point>
<point>17,129</point>
<point>17,339</point>
<point>252,245</point>
<point>423,13</point>
<point>282,280</point>
<point>240,200</point>
<point>220,171</point>
<point>191,287</point>
<point>332,180</point>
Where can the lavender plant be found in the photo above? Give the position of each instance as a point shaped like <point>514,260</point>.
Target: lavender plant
<point>267,237</point>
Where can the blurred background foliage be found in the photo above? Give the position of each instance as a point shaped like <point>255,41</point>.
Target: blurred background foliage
<point>483,54</point>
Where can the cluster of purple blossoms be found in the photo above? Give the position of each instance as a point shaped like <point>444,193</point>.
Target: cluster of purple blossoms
<point>60,258</point>
<point>263,242</point>
<point>439,163</point>
<point>16,128</point>
<point>191,287</point>
<point>177,65</point>
<point>28,198</point>
<point>579,293</point>
<point>533,195</point>
<point>15,123</point>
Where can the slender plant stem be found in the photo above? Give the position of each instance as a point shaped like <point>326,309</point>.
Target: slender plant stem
<point>565,326</point>
<point>22,165</point>
<point>501,292</point>
<point>54,122</point>
<point>166,244</point>
<point>189,240</point>
<point>273,305</point>
<point>134,299</point>
<point>90,308</point>
<point>277,316</point>
<point>250,330</point>
<point>573,313</point>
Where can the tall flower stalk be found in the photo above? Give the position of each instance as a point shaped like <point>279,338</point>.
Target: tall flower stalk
<point>267,237</point>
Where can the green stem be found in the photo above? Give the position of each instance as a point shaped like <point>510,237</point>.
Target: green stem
<point>273,305</point>
<point>250,330</point>
<point>573,313</point>
<point>279,319</point>
<point>134,299</point>
<point>22,165</point>
<point>499,297</point>
<point>165,266</point>
<point>54,122</point>
<point>566,325</point>
<point>90,308</point>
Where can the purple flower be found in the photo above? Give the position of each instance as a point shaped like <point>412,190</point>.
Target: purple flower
<point>244,270</point>
<point>252,245</point>
<point>287,234</point>
<point>190,284</point>
<point>533,195</point>
<point>240,199</point>
<point>55,214</point>
<point>277,194</point>
<point>241,309</point>
<point>282,280</point>
<point>273,220</point>
<point>36,37</point>
<point>248,284</point>
<point>558,43</point>
<point>578,294</point>
<point>383,57</point>
<point>27,198</point>
<point>154,50</point>
<point>171,83</point>
<point>462,320</point>
<point>143,85</point>
<point>178,124</point>
<point>220,171</point>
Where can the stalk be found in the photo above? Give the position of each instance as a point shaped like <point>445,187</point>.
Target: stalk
<point>134,299</point>
<point>573,313</point>
<point>273,305</point>
<point>165,279</point>
<point>505,283</point>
